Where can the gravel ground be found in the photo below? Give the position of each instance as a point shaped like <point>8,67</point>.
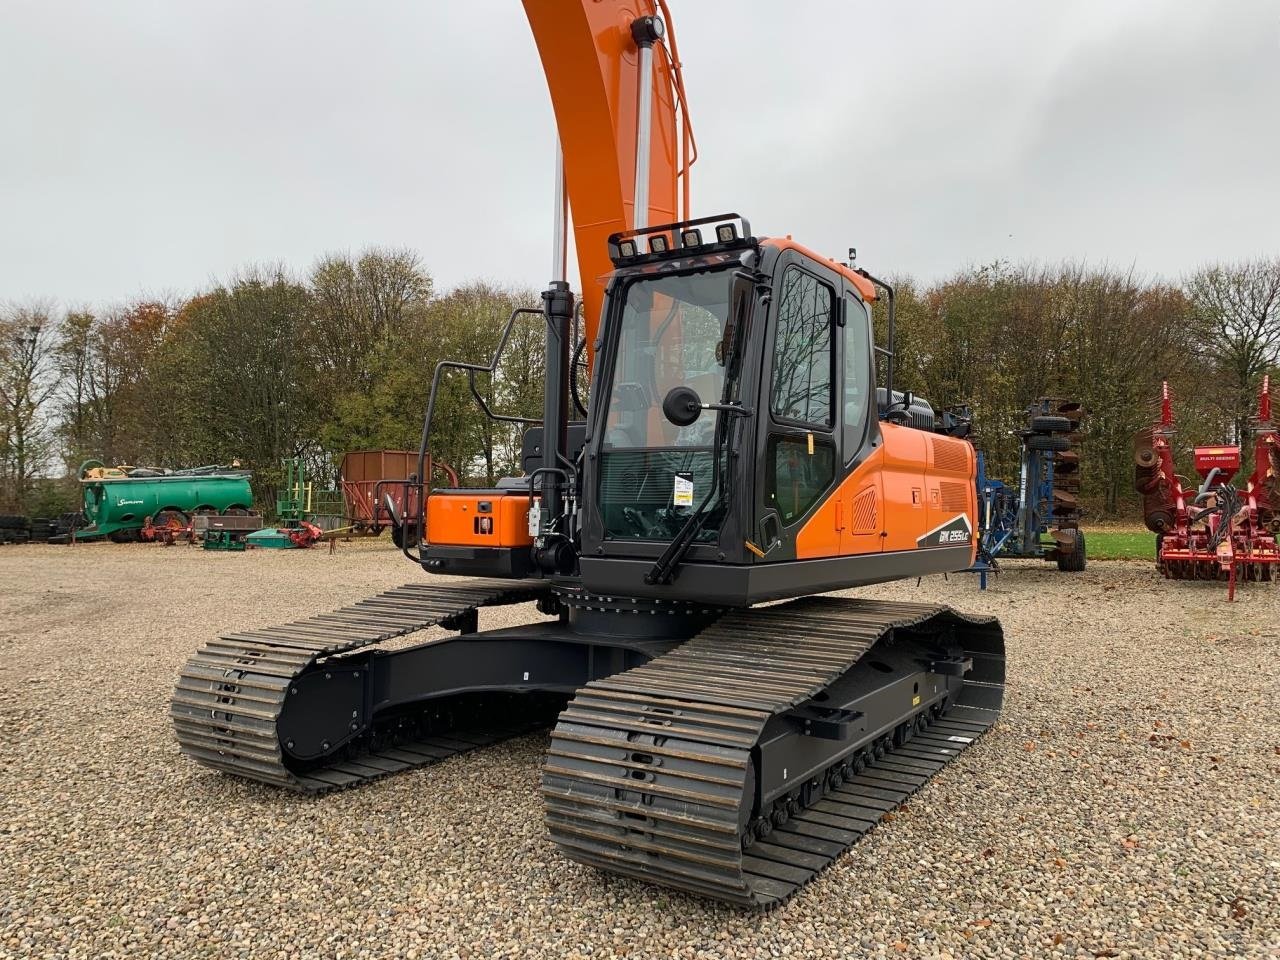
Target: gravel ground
<point>1128,804</point>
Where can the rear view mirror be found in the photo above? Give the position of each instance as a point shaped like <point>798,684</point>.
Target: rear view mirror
<point>682,406</point>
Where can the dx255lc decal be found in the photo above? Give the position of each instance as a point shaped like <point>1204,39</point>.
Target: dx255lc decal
<point>955,531</point>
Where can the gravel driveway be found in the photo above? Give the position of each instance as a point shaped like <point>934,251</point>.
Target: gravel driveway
<point>1128,805</point>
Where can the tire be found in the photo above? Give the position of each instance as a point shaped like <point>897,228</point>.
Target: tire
<point>1051,424</point>
<point>1040,441</point>
<point>1073,562</point>
<point>406,535</point>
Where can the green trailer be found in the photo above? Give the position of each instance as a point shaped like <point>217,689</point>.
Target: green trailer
<point>118,500</point>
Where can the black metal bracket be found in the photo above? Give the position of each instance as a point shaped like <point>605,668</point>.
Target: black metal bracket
<point>826,723</point>
<point>951,666</point>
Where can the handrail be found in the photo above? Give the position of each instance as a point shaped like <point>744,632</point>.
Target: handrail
<point>689,145</point>
<point>471,370</point>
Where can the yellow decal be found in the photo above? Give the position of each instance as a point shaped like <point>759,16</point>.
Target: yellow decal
<point>811,444</point>
<point>915,701</point>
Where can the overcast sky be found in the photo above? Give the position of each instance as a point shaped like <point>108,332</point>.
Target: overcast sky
<point>152,147</point>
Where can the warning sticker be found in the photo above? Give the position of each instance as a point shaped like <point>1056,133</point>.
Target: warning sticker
<point>682,495</point>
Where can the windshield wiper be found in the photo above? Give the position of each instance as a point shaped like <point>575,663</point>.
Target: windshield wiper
<point>666,564</point>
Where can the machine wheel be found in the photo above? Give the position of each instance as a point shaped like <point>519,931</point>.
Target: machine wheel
<point>1051,424</point>
<point>405,536</point>
<point>1040,441</point>
<point>1073,561</point>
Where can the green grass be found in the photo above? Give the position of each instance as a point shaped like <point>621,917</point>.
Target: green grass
<point>1120,544</point>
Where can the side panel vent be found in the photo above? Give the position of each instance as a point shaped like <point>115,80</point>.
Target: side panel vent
<point>951,456</point>
<point>864,512</point>
<point>955,496</point>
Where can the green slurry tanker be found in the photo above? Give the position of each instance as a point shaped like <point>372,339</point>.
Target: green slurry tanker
<point>118,500</point>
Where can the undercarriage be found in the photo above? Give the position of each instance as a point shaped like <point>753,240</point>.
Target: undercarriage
<point>730,754</point>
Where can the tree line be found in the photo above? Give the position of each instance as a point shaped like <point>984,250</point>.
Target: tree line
<point>268,365</point>
<point>1000,336</point>
<point>263,367</point>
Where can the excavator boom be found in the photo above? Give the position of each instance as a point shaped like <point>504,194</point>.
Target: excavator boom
<point>593,65</point>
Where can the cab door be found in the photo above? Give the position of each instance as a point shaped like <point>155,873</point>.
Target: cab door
<point>861,508</point>
<point>798,453</point>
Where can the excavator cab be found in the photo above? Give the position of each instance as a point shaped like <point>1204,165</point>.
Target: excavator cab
<point>734,450</point>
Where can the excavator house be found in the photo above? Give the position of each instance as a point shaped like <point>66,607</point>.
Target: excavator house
<point>717,727</point>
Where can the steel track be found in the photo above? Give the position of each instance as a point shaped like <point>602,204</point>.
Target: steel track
<point>230,695</point>
<point>651,772</point>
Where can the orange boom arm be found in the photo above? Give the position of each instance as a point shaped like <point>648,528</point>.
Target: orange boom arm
<point>591,63</point>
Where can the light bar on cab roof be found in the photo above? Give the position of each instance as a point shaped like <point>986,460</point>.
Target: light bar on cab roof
<point>730,231</point>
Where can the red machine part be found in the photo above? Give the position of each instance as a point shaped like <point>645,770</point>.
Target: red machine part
<point>1226,460</point>
<point>305,534</point>
<point>169,530</point>
<point>1215,531</point>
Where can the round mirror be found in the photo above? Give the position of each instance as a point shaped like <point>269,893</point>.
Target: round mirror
<point>682,406</point>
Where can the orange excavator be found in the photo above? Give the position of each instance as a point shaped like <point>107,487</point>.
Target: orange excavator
<point>717,727</point>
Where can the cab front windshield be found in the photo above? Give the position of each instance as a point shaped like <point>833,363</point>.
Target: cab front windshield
<point>654,473</point>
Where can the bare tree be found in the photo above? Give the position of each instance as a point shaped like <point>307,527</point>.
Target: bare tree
<point>1237,313</point>
<point>74,363</point>
<point>26,343</point>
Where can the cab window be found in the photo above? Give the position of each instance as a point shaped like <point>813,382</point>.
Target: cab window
<point>857,374</point>
<point>800,471</point>
<point>800,390</point>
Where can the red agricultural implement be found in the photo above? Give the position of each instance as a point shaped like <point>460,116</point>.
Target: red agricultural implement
<point>167,527</point>
<point>1216,530</point>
